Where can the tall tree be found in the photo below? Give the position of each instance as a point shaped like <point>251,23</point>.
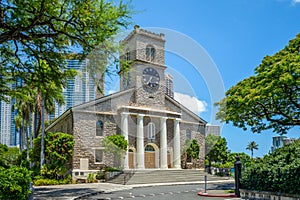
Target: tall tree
<point>216,150</point>
<point>270,98</point>
<point>251,146</point>
<point>47,30</point>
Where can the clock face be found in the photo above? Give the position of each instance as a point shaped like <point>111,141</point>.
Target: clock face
<point>151,77</point>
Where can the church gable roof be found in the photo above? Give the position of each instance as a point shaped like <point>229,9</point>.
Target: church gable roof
<point>175,106</point>
<point>108,103</point>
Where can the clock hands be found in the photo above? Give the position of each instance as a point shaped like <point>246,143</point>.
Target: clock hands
<point>149,81</point>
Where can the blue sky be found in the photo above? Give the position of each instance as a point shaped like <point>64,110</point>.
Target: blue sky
<point>235,35</point>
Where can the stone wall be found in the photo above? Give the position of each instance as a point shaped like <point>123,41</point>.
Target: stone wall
<point>86,140</point>
<point>65,125</point>
<point>137,41</point>
<point>197,135</point>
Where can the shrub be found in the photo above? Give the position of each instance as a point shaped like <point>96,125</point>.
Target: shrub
<point>14,183</point>
<point>91,178</point>
<point>276,172</point>
<point>58,154</point>
<point>99,175</point>
<point>111,169</point>
<point>9,156</point>
<point>39,180</point>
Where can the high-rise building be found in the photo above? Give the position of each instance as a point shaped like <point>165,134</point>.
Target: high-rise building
<point>280,141</point>
<point>8,132</point>
<point>5,122</point>
<point>79,90</point>
<point>169,85</point>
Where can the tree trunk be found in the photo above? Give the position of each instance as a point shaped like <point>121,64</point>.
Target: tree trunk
<point>32,133</point>
<point>209,166</point>
<point>26,142</point>
<point>20,139</point>
<point>38,123</point>
<point>22,135</point>
<point>43,133</point>
<point>35,124</point>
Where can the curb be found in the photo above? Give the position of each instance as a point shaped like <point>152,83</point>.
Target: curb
<point>217,195</point>
<point>179,183</point>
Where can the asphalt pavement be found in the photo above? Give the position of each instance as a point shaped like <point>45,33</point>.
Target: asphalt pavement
<point>171,192</point>
<point>84,191</point>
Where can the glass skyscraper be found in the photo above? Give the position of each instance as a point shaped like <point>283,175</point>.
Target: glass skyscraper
<point>5,125</point>
<point>79,90</point>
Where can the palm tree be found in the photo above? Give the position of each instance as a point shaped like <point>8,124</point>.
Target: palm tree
<point>251,146</point>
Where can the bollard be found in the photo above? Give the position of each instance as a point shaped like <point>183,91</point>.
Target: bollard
<point>205,183</point>
<point>237,175</point>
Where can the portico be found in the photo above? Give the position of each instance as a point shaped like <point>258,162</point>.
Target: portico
<point>162,142</point>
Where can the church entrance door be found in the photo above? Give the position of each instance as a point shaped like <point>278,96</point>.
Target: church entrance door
<point>169,160</point>
<point>131,158</point>
<point>149,157</point>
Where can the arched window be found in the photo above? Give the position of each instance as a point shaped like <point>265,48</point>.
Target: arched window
<point>150,53</point>
<point>99,128</point>
<point>149,148</point>
<point>188,135</point>
<point>151,130</point>
<point>130,151</point>
<point>127,56</point>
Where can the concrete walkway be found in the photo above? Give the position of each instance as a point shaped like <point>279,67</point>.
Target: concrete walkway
<point>75,191</point>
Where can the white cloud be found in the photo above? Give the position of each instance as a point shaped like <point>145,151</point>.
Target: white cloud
<point>296,1</point>
<point>112,91</point>
<point>190,102</point>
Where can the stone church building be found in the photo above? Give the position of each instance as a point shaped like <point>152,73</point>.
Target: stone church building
<point>155,125</point>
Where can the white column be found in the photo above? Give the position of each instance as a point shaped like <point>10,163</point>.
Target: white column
<point>163,143</point>
<point>124,129</point>
<point>140,155</point>
<point>177,157</point>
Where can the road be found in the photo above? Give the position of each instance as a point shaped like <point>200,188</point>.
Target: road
<point>175,192</point>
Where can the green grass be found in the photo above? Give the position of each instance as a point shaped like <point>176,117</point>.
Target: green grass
<point>229,191</point>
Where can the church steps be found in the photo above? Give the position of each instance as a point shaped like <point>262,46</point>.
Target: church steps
<point>162,176</point>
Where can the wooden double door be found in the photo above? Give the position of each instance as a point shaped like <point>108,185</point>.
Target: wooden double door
<point>150,159</point>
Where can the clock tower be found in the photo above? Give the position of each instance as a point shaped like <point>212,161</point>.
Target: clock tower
<point>145,53</point>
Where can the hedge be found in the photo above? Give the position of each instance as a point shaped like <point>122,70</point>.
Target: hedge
<point>277,172</point>
<point>14,183</point>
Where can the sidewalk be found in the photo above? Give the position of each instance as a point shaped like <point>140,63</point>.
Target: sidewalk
<point>74,191</point>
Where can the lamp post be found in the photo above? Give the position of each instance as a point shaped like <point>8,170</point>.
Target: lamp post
<point>237,175</point>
